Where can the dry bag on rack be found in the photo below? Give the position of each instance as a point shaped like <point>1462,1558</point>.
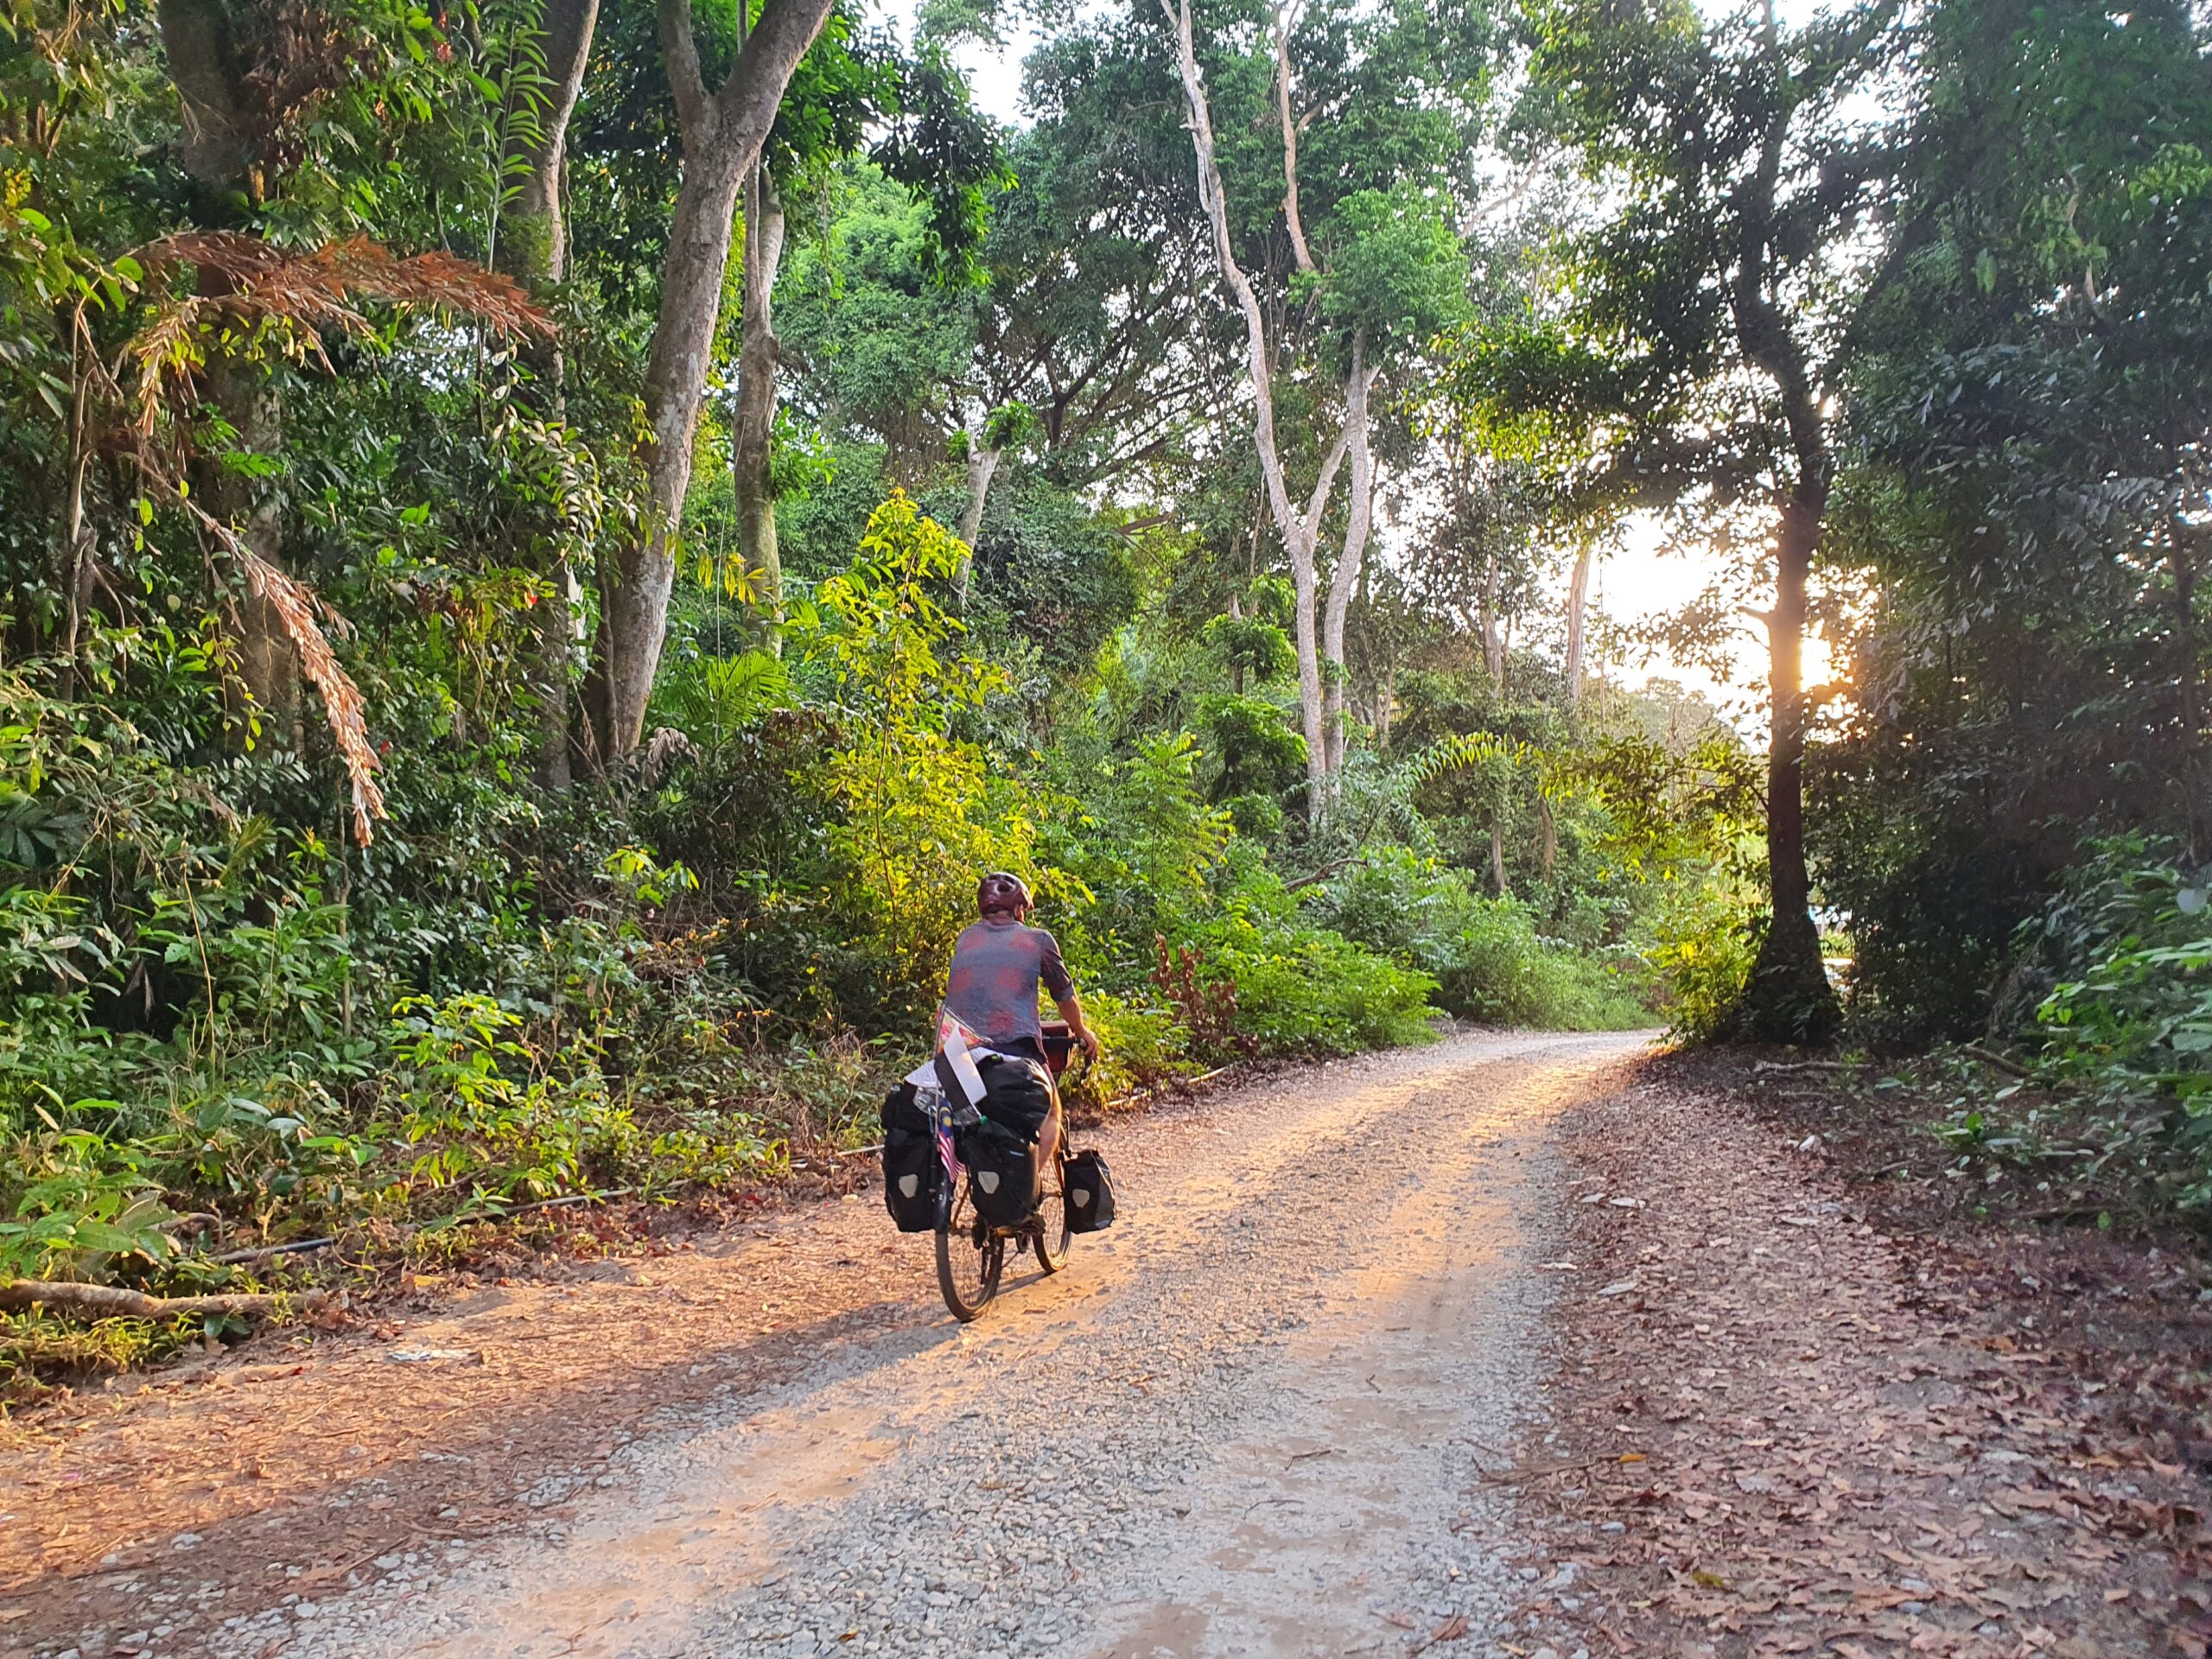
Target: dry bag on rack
<point>1090,1193</point>
<point>910,1169</point>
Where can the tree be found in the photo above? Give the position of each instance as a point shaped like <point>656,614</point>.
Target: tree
<point>1004,428</point>
<point>1700,348</point>
<point>2025,498</point>
<point>1397,278</point>
<point>228,150</point>
<point>933,141</point>
<point>721,132</point>
<point>1089,316</point>
<point>531,244</point>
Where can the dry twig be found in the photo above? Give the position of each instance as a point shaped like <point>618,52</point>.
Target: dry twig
<point>111,1300</point>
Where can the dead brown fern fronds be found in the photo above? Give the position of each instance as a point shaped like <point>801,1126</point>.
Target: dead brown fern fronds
<point>295,604</point>
<point>326,286</point>
<point>260,289</point>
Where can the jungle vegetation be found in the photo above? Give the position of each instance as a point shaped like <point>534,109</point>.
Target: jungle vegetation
<point>546,545</point>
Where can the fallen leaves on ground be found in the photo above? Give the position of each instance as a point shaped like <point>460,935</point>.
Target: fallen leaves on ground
<point>1772,1439</point>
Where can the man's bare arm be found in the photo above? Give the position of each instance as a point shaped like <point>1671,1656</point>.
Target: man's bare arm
<point>1070,1008</point>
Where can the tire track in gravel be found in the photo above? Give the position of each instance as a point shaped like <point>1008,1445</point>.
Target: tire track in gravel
<point>1250,1419</point>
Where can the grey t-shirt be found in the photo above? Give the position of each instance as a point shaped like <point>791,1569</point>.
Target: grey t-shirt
<point>997,967</point>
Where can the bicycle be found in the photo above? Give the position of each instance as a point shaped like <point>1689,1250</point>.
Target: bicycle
<point>970,1252</point>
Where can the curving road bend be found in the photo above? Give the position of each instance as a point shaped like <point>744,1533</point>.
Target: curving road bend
<point>1252,1418</point>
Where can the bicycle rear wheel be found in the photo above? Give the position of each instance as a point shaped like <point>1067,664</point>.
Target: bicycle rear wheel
<point>970,1260</point>
<point>1053,1235</point>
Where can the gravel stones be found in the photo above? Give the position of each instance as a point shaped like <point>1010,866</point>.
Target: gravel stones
<point>1254,1417</point>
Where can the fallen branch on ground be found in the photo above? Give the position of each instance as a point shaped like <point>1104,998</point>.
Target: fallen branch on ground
<point>113,1300</point>
<point>262,1253</point>
<point>2002,1062</point>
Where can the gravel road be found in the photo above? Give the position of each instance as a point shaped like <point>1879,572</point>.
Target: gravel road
<point>1251,1419</point>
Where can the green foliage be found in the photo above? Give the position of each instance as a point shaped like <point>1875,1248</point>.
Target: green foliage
<point>1251,645</point>
<point>2027,470</point>
<point>920,811</point>
<point>1486,956</point>
<point>1703,945</point>
<point>1142,1046</point>
<point>2131,1014</point>
<point>479,1125</point>
<point>1302,989</point>
<point>2111,985</point>
<point>1259,753</point>
<point>80,1204</point>
<point>1397,274</point>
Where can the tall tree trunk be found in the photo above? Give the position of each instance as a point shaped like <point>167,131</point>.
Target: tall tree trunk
<point>209,72</point>
<point>722,135</point>
<point>758,357</point>
<point>533,248</point>
<point>1789,998</point>
<point>209,80</point>
<point>1493,639</point>
<point>1497,853</point>
<point>1578,602</point>
<point>983,466</point>
<point>1291,216</point>
<point>1359,516</point>
<point>1300,531</point>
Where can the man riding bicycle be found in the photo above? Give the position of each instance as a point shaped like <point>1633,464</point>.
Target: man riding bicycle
<point>998,964</point>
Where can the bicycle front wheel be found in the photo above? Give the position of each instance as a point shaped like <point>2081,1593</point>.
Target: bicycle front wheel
<point>970,1260</point>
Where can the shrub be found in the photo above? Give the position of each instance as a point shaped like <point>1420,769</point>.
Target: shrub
<point>920,811</point>
<point>1303,989</point>
<point>1488,962</point>
<point>2132,1021</point>
<point>1704,942</point>
<point>1141,1047</point>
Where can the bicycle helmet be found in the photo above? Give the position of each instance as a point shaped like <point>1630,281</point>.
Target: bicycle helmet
<point>1001,894</point>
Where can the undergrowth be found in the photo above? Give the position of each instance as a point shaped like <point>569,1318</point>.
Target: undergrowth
<point>225,1033</point>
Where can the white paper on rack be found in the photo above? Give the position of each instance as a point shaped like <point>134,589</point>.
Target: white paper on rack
<point>957,1048</point>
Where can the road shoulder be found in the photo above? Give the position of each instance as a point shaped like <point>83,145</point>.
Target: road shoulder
<point>1780,1428</point>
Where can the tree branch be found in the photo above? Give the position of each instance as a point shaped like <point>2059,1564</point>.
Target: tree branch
<point>754,89</point>
<point>694,112</point>
<point>1213,197</point>
<point>1299,250</point>
<point>111,1300</point>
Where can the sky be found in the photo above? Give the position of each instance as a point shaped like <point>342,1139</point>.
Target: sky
<point>1639,581</point>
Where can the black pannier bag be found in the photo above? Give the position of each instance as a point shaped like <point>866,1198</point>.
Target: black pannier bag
<point>910,1170</point>
<point>1090,1193</point>
<point>1003,1174</point>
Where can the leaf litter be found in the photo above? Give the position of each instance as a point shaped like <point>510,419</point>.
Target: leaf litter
<point>1785,1426</point>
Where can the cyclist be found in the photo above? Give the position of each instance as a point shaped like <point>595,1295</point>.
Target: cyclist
<point>997,966</point>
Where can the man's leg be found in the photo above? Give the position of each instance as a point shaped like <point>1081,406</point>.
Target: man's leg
<point>1048,1138</point>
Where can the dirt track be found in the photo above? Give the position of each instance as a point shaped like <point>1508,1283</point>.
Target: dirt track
<point>1253,1418</point>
